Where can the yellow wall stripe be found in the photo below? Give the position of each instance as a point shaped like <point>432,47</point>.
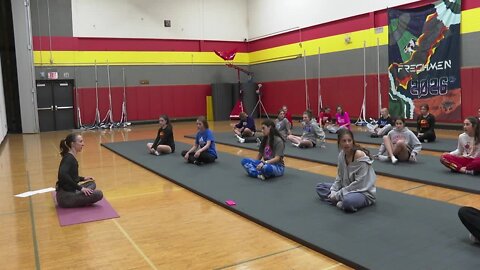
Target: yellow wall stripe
<point>88,58</point>
<point>470,23</point>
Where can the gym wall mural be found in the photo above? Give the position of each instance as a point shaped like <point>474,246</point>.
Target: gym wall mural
<point>424,60</point>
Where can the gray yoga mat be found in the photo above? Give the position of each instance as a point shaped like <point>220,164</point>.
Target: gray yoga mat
<point>399,232</point>
<point>439,145</point>
<point>427,169</point>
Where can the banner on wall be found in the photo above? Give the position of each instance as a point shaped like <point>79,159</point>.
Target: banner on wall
<point>424,60</point>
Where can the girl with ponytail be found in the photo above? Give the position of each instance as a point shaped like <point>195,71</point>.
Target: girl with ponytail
<point>72,189</point>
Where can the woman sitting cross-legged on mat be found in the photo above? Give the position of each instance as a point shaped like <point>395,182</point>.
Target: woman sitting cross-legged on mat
<point>400,144</point>
<point>382,126</point>
<point>282,125</point>
<point>426,125</point>
<point>466,158</point>
<point>269,161</point>
<point>73,190</point>
<point>204,149</point>
<point>164,143</point>
<point>470,217</point>
<point>354,186</point>
<point>311,132</point>
<point>342,121</point>
<point>245,129</point>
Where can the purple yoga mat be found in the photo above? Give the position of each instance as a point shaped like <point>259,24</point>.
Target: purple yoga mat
<point>98,211</point>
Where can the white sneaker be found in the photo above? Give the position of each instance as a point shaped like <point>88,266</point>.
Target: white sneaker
<point>394,160</point>
<point>296,144</point>
<point>340,204</point>
<point>240,139</point>
<point>473,239</point>
<point>382,158</point>
<point>156,153</point>
<point>258,141</point>
<point>413,158</point>
<point>261,177</point>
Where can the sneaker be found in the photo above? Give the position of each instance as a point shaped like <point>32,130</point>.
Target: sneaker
<point>382,157</point>
<point>261,177</point>
<point>470,172</point>
<point>156,153</point>
<point>394,160</point>
<point>473,239</point>
<point>198,163</point>
<point>296,144</point>
<point>413,158</point>
<point>258,141</point>
<point>240,139</point>
<point>340,204</point>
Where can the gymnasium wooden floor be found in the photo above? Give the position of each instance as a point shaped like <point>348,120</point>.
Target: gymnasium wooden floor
<point>162,226</point>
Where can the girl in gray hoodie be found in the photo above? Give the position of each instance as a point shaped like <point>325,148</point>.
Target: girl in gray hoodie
<point>400,144</point>
<point>354,186</point>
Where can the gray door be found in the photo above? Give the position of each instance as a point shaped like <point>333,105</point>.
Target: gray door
<point>55,105</point>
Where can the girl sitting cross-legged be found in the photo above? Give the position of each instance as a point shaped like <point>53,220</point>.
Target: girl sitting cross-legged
<point>269,161</point>
<point>354,186</point>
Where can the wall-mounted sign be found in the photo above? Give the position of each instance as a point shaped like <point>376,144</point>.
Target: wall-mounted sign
<point>53,75</point>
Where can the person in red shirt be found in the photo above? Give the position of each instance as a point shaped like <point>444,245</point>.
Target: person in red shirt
<point>288,115</point>
<point>325,117</point>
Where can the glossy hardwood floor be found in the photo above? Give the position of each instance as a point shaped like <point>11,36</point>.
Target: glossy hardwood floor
<point>162,226</point>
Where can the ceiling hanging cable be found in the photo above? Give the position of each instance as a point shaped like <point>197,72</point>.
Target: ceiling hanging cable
<point>49,32</point>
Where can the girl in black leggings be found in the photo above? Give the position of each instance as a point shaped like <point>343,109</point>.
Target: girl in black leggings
<point>204,149</point>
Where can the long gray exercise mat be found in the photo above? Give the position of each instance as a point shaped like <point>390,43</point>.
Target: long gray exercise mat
<point>399,232</point>
<point>440,145</point>
<point>427,169</point>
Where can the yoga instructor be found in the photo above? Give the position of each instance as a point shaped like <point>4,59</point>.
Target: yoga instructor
<point>74,190</point>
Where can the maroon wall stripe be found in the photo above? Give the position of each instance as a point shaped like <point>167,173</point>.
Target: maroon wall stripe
<point>145,102</point>
<point>130,44</point>
<point>148,102</point>
<point>348,92</point>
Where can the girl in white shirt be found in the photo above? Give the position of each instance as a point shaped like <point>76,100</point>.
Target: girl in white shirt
<point>466,158</point>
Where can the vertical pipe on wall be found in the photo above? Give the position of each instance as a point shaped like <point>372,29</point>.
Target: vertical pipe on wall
<point>77,99</point>
<point>320,102</point>
<point>364,105</point>
<point>379,86</point>
<point>49,32</point>
<point>361,121</point>
<point>97,111</point>
<point>109,92</point>
<point>307,102</point>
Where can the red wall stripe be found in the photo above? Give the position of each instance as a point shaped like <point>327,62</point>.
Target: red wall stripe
<point>145,102</point>
<point>126,44</point>
<point>182,101</point>
<point>348,92</point>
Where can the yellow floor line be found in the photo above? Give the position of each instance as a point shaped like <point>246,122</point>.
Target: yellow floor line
<point>135,245</point>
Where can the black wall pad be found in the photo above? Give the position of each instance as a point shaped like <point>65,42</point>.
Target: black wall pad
<point>399,232</point>
<point>440,145</point>
<point>222,99</point>
<point>249,97</point>
<point>427,169</point>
